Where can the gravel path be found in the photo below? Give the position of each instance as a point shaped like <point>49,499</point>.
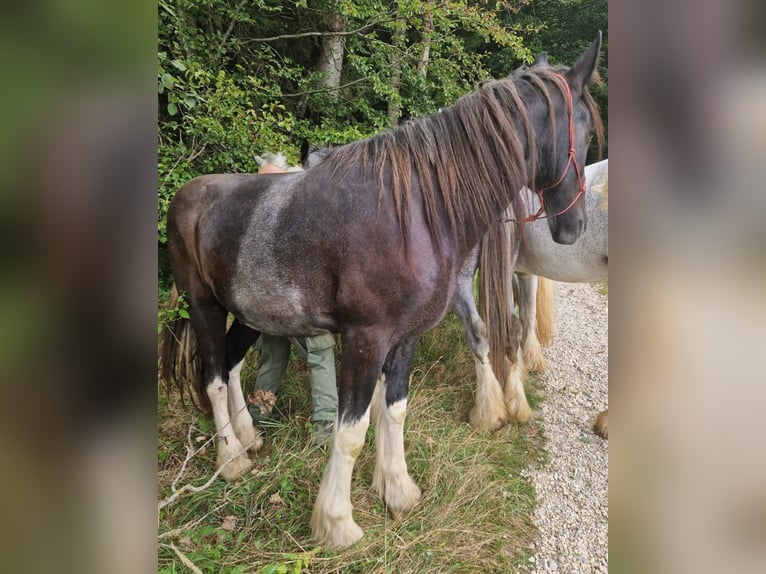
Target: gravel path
<point>572,490</point>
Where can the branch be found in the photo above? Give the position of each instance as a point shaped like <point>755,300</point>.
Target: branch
<point>309,34</point>
<point>230,29</point>
<point>320,90</point>
<point>189,487</point>
<point>186,562</point>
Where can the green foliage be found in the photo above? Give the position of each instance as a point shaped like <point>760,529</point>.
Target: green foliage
<point>235,80</point>
<point>475,514</point>
<point>166,314</point>
<point>564,30</point>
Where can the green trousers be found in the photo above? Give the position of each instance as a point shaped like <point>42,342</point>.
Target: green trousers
<point>319,352</point>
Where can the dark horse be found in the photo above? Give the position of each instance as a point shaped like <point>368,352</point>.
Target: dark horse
<point>370,244</point>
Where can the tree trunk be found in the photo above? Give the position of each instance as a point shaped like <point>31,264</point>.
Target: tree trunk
<point>400,38</point>
<point>331,58</point>
<point>425,55</point>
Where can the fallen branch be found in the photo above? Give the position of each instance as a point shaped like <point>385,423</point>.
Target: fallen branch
<point>188,563</point>
<point>190,487</point>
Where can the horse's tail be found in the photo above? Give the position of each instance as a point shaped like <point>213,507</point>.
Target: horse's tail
<point>496,294</point>
<point>179,364</point>
<point>546,299</point>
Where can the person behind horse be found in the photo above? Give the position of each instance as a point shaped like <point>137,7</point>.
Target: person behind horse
<point>318,351</point>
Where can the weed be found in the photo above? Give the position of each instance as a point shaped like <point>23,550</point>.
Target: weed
<point>474,516</point>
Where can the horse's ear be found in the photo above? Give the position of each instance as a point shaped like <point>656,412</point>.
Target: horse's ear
<point>305,150</point>
<point>541,60</point>
<point>584,71</point>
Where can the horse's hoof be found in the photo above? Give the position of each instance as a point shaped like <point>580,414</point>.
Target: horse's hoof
<point>516,405</point>
<point>249,436</point>
<point>255,443</point>
<point>534,360</point>
<point>602,424</point>
<point>483,422</point>
<point>401,494</point>
<point>520,414</point>
<point>236,468</point>
<point>538,365</point>
<point>337,534</point>
<point>405,501</point>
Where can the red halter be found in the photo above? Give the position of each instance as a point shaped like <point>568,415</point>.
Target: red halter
<point>571,159</point>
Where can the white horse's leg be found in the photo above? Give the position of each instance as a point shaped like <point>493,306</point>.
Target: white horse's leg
<point>331,520</point>
<point>532,352</point>
<point>515,397</point>
<point>240,416</point>
<point>390,478</point>
<point>489,412</point>
<point>228,445</point>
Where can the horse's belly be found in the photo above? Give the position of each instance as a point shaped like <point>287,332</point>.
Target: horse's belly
<point>280,312</point>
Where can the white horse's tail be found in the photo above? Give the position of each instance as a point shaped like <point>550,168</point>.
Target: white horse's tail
<point>546,299</point>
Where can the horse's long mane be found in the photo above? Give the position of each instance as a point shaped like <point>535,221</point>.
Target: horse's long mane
<point>469,158</point>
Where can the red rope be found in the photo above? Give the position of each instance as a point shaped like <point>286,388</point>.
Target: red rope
<point>571,159</point>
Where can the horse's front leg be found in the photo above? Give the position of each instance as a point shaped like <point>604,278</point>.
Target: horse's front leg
<point>362,355</point>
<point>389,407</point>
<point>489,413</point>
<point>531,351</point>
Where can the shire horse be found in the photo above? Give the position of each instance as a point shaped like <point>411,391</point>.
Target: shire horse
<point>541,260</point>
<point>370,244</point>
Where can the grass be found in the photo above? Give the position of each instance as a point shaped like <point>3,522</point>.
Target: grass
<point>474,516</point>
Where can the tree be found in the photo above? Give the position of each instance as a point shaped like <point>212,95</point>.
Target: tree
<point>238,79</point>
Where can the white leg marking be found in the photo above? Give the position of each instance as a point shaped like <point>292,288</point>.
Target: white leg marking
<point>533,352</point>
<point>331,520</point>
<point>515,397</point>
<point>240,416</point>
<point>489,412</point>
<point>227,443</point>
<point>390,478</point>
<point>375,411</point>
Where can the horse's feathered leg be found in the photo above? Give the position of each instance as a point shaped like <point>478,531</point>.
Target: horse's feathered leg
<point>489,412</point>
<point>362,355</point>
<point>238,340</point>
<point>531,350</point>
<point>390,478</point>
<point>209,323</point>
<point>515,397</point>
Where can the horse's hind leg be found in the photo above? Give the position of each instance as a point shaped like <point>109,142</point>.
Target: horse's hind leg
<point>209,323</point>
<point>238,340</point>
<point>489,413</point>
<point>531,351</point>
<point>390,478</point>
<point>362,355</point>
<point>515,397</point>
